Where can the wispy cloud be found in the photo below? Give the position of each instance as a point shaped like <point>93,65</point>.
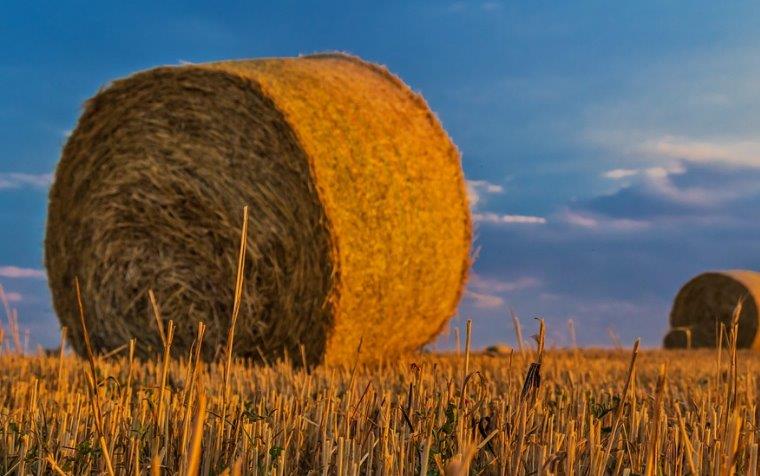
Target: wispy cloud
<point>478,189</point>
<point>617,174</point>
<point>499,286</point>
<point>485,301</point>
<point>579,219</point>
<point>675,168</point>
<point>660,182</point>
<point>485,293</point>
<point>744,153</point>
<point>485,186</point>
<point>601,222</point>
<point>16,272</point>
<point>14,180</point>
<point>508,219</point>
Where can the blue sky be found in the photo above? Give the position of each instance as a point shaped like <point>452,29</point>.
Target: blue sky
<point>612,149</point>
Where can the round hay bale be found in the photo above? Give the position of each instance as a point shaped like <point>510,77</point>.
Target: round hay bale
<point>679,338</point>
<point>498,349</point>
<point>709,299</point>
<point>359,225</point>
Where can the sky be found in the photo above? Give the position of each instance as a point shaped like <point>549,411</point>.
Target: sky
<point>611,149</point>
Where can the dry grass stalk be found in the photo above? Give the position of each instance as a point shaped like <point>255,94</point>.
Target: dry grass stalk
<point>518,330</point>
<point>92,380</point>
<point>62,349</point>
<point>468,337</point>
<point>238,295</point>
<point>54,466</point>
<point>157,315</point>
<point>653,450</point>
<point>571,332</point>
<point>12,321</point>
<point>197,437</point>
<point>620,406</point>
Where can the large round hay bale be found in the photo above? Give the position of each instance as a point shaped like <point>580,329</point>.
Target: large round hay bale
<point>709,299</point>
<point>359,223</point>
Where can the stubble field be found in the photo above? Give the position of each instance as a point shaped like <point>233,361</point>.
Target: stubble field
<point>588,412</point>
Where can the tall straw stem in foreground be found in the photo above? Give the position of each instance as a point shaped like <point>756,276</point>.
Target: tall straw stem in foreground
<point>620,407</point>
<point>233,321</point>
<point>92,380</point>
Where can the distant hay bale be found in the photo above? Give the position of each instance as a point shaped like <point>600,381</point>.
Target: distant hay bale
<point>498,349</point>
<point>709,299</point>
<point>359,223</point>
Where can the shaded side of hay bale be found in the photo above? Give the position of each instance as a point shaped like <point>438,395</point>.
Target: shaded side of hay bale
<point>359,232</point>
<point>148,194</point>
<point>709,299</point>
<point>678,338</point>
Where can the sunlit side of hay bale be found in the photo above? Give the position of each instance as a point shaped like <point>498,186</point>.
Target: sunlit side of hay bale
<point>710,299</point>
<point>359,225</point>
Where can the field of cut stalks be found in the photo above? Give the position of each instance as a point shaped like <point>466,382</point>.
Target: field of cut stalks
<point>520,413</point>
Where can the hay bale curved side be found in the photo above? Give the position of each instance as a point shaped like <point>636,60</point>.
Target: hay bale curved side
<point>360,229</point>
<point>710,298</point>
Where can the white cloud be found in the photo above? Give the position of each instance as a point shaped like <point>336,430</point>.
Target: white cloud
<point>485,301</point>
<point>478,189</point>
<point>743,153</point>
<point>673,154</point>
<point>601,223</point>
<point>492,285</point>
<point>507,219</point>
<point>617,174</point>
<point>580,220</point>
<point>675,168</point>
<point>486,186</point>
<point>14,180</point>
<point>16,272</point>
<point>658,182</point>
<point>485,292</point>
